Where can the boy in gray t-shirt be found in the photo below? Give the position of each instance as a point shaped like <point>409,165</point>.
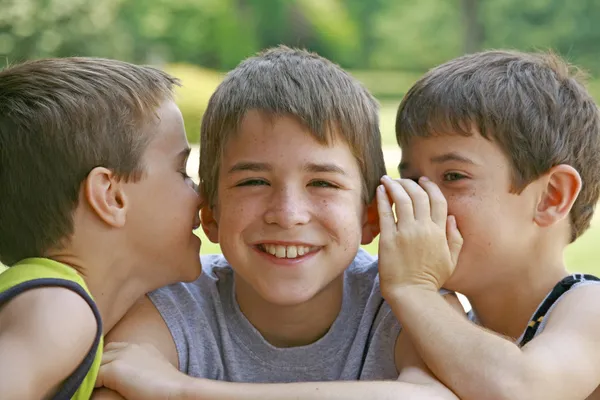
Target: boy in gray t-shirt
<point>290,161</point>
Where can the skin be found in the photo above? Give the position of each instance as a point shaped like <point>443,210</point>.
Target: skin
<point>277,186</point>
<point>504,275</point>
<point>45,333</point>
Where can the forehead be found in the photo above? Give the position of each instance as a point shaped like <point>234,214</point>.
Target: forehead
<point>474,146</point>
<point>166,130</point>
<point>283,139</point>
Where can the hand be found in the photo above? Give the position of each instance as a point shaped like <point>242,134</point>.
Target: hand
<point>139,372</point>
<point>421,248</point>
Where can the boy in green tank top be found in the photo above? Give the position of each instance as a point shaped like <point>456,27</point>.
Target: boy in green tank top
<point>96,211</point>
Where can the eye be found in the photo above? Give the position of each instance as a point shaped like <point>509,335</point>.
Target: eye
<point>184,174</point>
<point>323,184</point>
<point>453,176</point>
<point>253,182</point>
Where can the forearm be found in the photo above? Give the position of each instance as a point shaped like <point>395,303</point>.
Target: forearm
<point>199,389</point>
<point>496,367</point>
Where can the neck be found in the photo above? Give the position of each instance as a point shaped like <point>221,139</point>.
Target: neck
<point>508,304</point>
<point>111,284</point>
<point>291,325</point>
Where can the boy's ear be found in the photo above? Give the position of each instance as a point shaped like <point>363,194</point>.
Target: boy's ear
<point>105,196</point>
<point>209,223</point>
<point>562,185</point>
<point>370,228</point>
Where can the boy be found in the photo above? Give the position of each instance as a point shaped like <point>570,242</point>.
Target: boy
<point>290,159</point>
<point>509,143</point>
<point>96,210</point>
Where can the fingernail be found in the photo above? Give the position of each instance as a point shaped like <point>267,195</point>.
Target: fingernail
<point>381,188</point>
<point>386,177</point>
<point>424,179</point>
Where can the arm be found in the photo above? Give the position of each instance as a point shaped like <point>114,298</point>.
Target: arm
<point>44,335</point>
<point>562,362</point>
<point>140,372</point>
<point>142,324</point>
<point>143,372</point>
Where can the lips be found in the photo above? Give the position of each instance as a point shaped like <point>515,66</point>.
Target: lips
<point>196,224</point>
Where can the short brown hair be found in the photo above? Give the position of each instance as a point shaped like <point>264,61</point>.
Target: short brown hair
<point>532,105</point>
<point>59,119</point>
<point>291,82</point>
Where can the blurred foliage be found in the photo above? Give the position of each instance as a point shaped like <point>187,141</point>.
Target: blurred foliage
<point>358,34</point>
<point>387,44</point>
<point>197,85</point>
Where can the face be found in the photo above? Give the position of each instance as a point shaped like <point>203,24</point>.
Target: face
<point>289,213</point>
<point>474,176</point>
<point>164,204</point>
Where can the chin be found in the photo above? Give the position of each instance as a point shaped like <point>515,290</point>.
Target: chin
<point>288,298</point>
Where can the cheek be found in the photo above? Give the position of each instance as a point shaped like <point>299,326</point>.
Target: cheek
<point>342,218</point>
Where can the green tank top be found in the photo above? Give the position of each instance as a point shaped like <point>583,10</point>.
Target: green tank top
<point>34,273</point>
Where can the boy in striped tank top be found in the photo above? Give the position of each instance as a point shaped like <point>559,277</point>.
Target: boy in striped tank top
<point>508,144</point>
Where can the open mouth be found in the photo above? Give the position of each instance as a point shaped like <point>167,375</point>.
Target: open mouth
<point>281,251</point>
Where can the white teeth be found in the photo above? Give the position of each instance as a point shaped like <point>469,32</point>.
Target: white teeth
<point>292,252</point>
<point>271,249</point>
<point>280,252</point>
<point>286,251</point>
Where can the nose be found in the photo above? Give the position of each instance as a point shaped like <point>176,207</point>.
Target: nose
<point>288,207</point>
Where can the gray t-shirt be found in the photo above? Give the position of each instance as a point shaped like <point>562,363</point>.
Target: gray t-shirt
<point>214,339</point>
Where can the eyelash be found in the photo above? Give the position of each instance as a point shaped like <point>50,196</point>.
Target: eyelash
<point>183,173</point>
<point>457,176</point>
<point>260,182</point>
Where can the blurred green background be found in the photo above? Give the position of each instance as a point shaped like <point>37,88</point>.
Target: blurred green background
<point>387,44</point>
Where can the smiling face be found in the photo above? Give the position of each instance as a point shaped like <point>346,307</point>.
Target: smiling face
<point>475,176</point>
<point>289,215</point>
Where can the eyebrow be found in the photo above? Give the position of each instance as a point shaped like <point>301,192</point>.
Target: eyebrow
<point>452,156</point>
<point>324,167</point>
<point>265,167</point>
<point>442,158</point>
<point>250,166</point>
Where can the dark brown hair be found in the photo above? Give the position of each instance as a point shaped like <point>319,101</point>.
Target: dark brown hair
<point>59,119</point>
<point>532,105</point>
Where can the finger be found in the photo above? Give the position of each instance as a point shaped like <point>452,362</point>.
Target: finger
<point>387,222</point>
<point>437,201</point>
<point>100,377</point>
<point>455,239</point>
<point>115,346</point>
<point>402,202</point>
<point>419,198</point>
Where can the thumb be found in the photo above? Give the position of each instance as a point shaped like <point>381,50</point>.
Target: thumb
<point>455,239</point>
<point>100,378</point>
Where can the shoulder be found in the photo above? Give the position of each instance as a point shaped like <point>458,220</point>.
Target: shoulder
<point>62,313</point>
<point>216,272</point>
<point>49,331</point>
<point>363,264</point>
<point>578,308</point>
<point>144,324</point>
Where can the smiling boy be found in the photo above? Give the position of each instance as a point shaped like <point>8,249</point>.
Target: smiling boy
<point>290,159</point>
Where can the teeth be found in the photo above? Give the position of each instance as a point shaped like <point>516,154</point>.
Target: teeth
<point>286,251</point>
<point>280,252</point>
